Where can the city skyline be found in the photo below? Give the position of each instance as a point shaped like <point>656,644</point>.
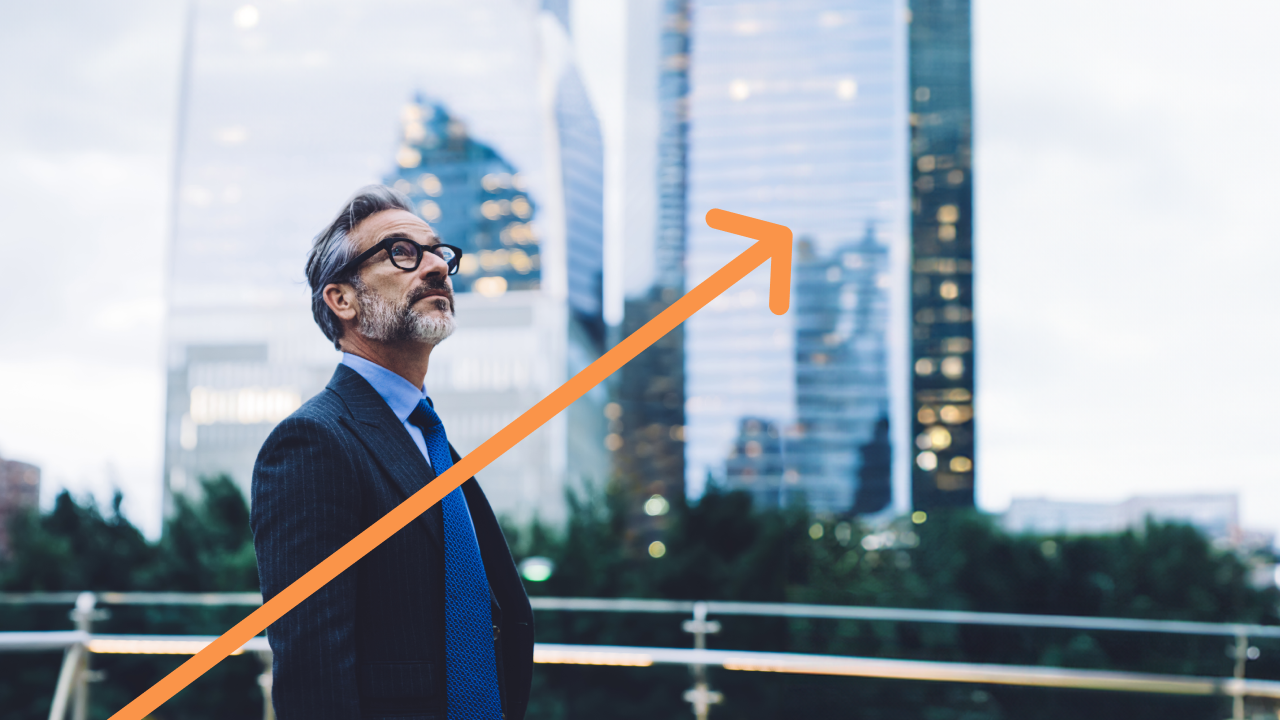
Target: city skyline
<point>1074,384</point>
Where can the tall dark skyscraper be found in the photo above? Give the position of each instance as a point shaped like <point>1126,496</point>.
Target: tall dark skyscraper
<point>647,421</point>
<point>942,352</point>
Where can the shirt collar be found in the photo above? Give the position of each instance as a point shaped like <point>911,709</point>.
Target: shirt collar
<point>400,394</point>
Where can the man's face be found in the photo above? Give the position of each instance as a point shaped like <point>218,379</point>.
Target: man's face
<point>397,305</point>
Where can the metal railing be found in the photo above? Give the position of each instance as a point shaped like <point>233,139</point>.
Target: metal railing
<point>71,693</point>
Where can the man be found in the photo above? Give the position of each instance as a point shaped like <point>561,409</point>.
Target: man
<point>434,623</point>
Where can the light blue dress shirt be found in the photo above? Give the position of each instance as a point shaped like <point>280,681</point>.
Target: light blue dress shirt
<point>400,394</point>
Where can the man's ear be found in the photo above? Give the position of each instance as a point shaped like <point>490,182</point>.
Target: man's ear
<point>341,299</point>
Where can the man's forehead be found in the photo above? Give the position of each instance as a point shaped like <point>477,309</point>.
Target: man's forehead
<point>386,223</point>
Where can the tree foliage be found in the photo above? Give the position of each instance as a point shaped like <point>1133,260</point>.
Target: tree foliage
<point>717,549</point>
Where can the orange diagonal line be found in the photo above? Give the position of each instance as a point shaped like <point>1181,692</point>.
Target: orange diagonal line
<point>774,241</point>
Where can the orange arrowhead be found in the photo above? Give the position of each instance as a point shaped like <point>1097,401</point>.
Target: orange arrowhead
<point>775,240</point>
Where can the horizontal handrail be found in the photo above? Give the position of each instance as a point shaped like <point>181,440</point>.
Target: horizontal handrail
<point>906,669</point>
<point>741,660</point>
<point>951,617</point>
<point>723,607</point>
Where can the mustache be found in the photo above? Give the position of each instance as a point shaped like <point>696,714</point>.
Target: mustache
<point>433,287</point>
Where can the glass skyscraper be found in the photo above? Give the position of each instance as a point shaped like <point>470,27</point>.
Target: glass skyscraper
<point>648,422</point>
<point>942,352</point>
<point>288,112</point>
<point>798,115</point>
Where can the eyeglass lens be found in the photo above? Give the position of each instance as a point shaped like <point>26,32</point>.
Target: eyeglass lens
<point>404,254</point>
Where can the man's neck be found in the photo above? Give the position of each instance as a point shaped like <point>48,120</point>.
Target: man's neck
<point>408,360</point>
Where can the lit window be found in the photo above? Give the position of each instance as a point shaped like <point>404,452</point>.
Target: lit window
<point>831,339</point>
<point>815,531</point>
<point>847,89</point>
<point>429,210</point>
<point>494,259</point>
<point>961,464</point>
<point>411,113</point>
<point>414,131</point>
<point>818,358</point>
<point>927,461</point>
<point>791,476</point>
<point>939,438</point>
<point>491,209</point>
<point>949,290</point>
<point>752,449</point>
<point>612,441</point>
<point>521,207</point>
<point>953,367</point>
<point>408,157</point>
<point>232,135</point>
<point>613,411</point>
<point>924,366</point>
<point>739,90</point>
<point>493,287</point>
<point>676,433</point>
<point>955,177</point>
<point>946,233</point>
<point>430,184</point>
<point>922,94</point>
<point>919,517</point>
<point>952,414</point>
<point>926,163</point>
<point>245,17</point>
<point>520,261</point>
<point>927,415</point>
<point>957,345</point>
<point>657,549</point>
<point>403,186</point>
<point>468,265</point>
<point>948,214</point>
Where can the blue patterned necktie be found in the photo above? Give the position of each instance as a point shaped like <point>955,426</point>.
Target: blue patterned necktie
<point>471,674</point>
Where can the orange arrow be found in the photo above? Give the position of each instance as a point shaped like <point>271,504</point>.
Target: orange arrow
<point>774,243</point>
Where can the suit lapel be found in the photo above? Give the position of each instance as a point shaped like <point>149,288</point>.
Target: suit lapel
<point>384,435</point>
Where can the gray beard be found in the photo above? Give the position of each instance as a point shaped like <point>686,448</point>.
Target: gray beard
<point>388,322</point>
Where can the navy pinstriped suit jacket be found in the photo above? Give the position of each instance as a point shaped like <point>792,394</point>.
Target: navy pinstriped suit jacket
<point>370,644</point>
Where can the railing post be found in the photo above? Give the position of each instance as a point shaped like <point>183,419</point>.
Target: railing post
<point>700,695</point>
<point>1237,692</point>
<point>264,682</point>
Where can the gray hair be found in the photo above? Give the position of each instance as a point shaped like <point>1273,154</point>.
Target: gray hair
<point>332,249</point>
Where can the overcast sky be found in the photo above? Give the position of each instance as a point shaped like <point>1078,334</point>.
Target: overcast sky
<point>1126,236</point>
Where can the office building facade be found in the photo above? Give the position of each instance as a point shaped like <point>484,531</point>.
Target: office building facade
<point>648,424</point>
<point>798,115</point>
<point>276,134</point>
<point>942,337</point>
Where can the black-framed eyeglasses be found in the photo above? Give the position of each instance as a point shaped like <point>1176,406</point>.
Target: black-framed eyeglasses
<point>407,254</point>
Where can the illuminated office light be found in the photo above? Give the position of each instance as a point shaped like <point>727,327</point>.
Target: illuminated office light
<point>245,17</point>
<point>408,157</point>
<point>953,367</point>
<point>657,549</point>
<point>927,461</point>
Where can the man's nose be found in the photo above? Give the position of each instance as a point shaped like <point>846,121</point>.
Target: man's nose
<point>432,264</point>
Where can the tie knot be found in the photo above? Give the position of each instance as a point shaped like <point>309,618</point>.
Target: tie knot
<point>424,416</point>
